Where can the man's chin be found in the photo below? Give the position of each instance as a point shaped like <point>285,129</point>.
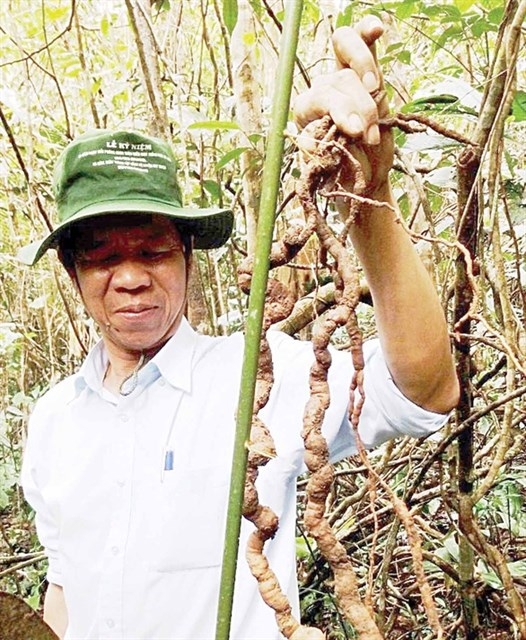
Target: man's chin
<point>138,339</point>
<point>143,343</point>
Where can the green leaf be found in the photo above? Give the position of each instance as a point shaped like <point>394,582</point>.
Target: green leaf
<point>404,56</point>
<point>495,16</point>
<point>105,26</point>
<point>95,86</point>
<point>34,600</point>
<point>345,17</point>
<point>453,32</point>
<point>443,13</point>
<point>311,11</point>
<point>517,569</point>
<point>255,137</point>
<point>222,125</point>
<point>405,9</point>
<point>481,26</point>
<point>231,155</point>
<point>213,188</point>
<point>71,66</point>
<point>230,13</point>
<point>53,14</point>
<point>249,39</point>
<point>302,550</point>
<point>430,103</point>
<point>518,107</point>
<point>256,7</point>
<point>398,52</point>
<point>443,103</point>
<point>464,5</point>
<point>452,14</point>
<point>161,5</point>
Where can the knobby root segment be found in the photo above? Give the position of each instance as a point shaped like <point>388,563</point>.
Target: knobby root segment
<point>282,252</point>
<point>346,587</point>
<point>322,168</point>
<point>321,171</point>
<point>261,449</point>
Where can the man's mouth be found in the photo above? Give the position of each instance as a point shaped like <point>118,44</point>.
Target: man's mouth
<point>136,308</point>
<point>136,312</point>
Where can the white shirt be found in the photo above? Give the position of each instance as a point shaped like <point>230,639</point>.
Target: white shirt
<point>137,548</point>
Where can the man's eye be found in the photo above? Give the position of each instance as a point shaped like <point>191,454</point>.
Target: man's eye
<point>108,259</point>
<point>92,260</point>
<point>103,258</point>
<point>150,254</point>
<point>161,252</point>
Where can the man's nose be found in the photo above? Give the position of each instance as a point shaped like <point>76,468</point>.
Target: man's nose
<point>131,274</point>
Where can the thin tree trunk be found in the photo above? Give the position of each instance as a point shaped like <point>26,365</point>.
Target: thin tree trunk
<point>490,123</point>
<point>248,110</point>
<point>139,13</point>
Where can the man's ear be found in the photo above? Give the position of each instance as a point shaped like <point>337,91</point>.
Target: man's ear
<point>69,265</point>
<point>75,281</point>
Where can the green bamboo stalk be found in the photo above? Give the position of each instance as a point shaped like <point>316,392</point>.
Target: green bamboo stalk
<point>267,214</point>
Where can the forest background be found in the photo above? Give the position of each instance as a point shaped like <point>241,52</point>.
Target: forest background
<point>203,74</point>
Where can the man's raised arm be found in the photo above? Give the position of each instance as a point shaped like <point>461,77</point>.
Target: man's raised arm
<point>411,323</point>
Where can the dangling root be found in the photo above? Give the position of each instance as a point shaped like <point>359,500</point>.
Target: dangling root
<point>322,165</point>
<point>261,448</point>
<point>318,487</point>
<point>323,171</point>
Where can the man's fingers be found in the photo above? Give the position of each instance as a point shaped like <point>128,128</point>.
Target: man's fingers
<point>352,108</point>
<point>370,29</point>
<point>343,97</point>
<point>354,48</point>
<point>347,94</point>
<point>309,106</point>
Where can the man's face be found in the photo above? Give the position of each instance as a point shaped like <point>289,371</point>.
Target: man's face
<point>131,274</point>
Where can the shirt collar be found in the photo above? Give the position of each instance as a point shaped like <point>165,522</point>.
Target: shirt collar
<point>91,373</point>
<point>173,362</point>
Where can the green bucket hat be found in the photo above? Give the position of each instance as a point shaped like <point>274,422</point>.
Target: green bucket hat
<point>124,172</point>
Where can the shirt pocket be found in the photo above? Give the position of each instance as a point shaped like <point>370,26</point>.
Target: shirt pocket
<point>188,520</point>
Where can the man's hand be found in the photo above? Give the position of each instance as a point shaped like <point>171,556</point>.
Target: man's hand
<point>354,97</point>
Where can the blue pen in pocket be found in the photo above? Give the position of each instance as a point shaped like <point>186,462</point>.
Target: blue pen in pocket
<point>169,460</point>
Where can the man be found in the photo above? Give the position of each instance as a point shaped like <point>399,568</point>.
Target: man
<point>127,462</point>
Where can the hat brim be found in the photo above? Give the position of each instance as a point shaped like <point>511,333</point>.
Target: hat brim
<point>210,227</point>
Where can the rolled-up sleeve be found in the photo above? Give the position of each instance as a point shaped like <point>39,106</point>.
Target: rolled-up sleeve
<point>386,412</point>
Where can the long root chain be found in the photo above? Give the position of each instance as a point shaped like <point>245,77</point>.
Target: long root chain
<point>322,175</point>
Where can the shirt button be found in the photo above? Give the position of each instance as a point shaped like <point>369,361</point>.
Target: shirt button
<point>115,550</point>
<point>110,623</point>
<point>120,483</point>
<point>124,417</point>
<point>162,382</point>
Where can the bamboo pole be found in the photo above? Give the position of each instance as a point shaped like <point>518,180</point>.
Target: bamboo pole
<point>267,212</point>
